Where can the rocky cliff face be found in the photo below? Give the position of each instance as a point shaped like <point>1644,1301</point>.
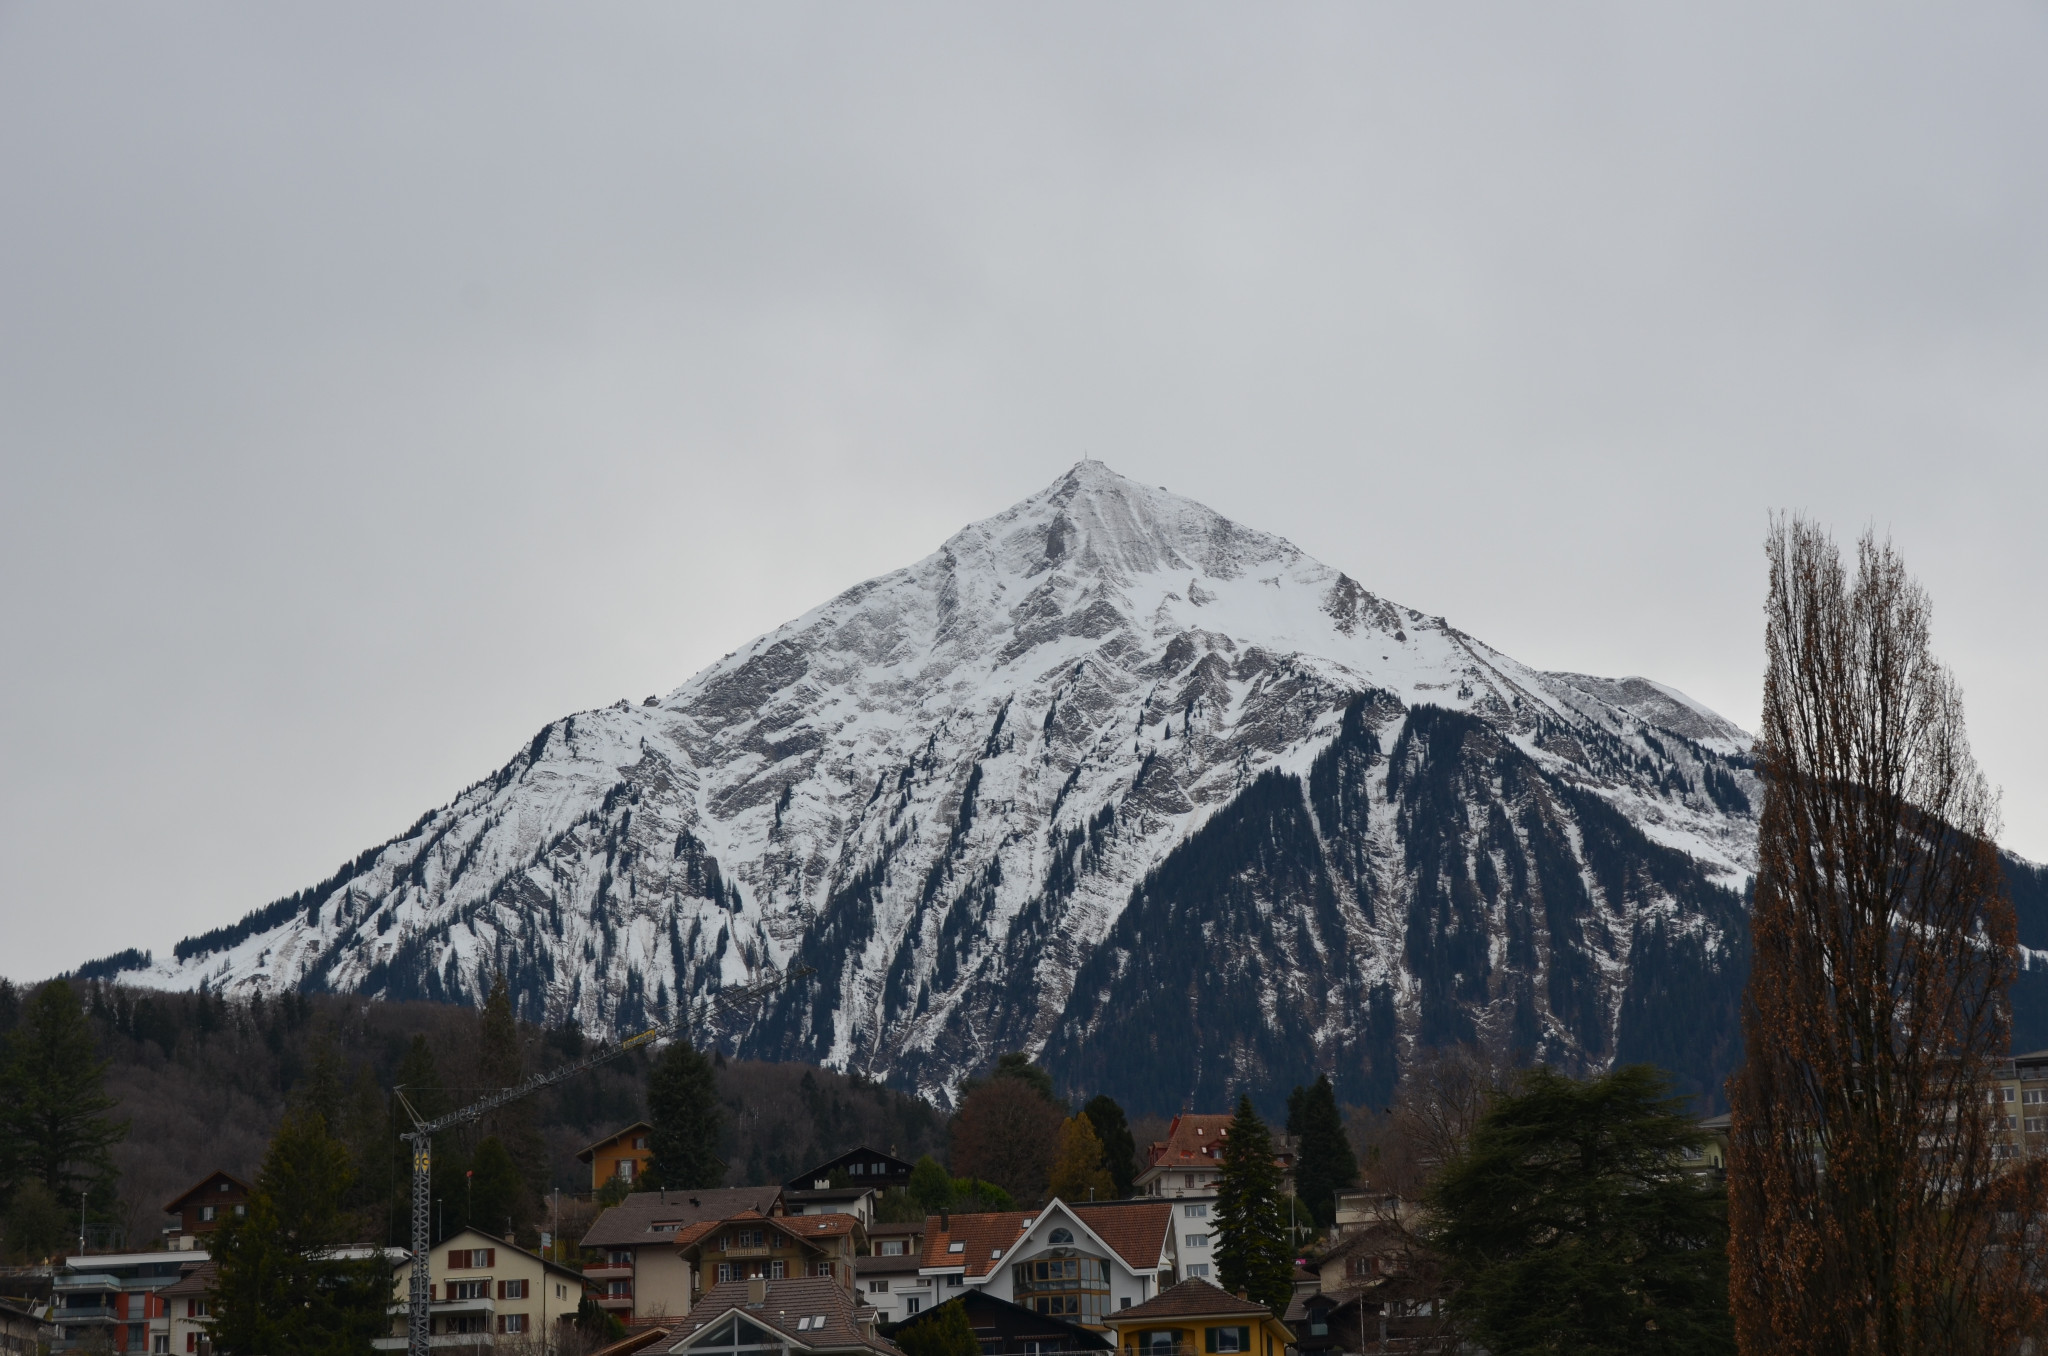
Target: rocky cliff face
<point>1108,777</point>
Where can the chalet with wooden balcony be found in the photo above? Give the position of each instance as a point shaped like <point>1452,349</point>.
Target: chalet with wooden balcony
<point>755,1247</point>
<point>641,1277</point>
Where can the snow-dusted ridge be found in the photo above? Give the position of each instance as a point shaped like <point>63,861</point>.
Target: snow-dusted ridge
<point>947,787</point>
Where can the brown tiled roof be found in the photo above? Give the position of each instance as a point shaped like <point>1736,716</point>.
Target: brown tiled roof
<point>632,1342</point>
<point>1137,1232</point>
<point>878,1265</point>
<point>584,1155</point>
<point>194,1278</point>
<point>1192,1298</point>
<point>816,1226</point>
<point>1191,1139</point>
<point>786,1303</point>
<point>985,1238</point>
<point>631,1223</point>
<point>196,1187</point>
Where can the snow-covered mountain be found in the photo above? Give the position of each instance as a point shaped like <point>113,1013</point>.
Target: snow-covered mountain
<point>1108,777</point>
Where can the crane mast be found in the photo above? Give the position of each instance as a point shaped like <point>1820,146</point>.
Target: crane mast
<point>421,1137</point>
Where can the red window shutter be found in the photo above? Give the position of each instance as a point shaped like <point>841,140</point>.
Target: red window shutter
<point>433,1291</point>
<point>191,1341</point>
<point>490,1257</point>
<point>501,1292</point>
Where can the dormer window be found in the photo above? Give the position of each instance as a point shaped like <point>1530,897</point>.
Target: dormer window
<point>1061,1236</point>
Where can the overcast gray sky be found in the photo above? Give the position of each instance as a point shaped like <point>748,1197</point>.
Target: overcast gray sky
<point>379,382</point>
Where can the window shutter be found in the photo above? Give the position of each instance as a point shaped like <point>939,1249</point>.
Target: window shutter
<point>501,1290</point>
<point>490,1258</point>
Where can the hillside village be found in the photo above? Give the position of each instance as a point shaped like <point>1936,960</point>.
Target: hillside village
<point>811,1266</point>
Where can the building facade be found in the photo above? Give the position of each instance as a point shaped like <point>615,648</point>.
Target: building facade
<point>1080,1263</point>
<point>640,1276</point>
<point>114,1301</point>
<point>482,1288</point>
<point>622,1154</point>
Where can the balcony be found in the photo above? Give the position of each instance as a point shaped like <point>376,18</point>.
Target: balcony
<point>465,1341</point>
<point>482,1304</point>
<point>606,1271</point>
<point>94,1280</point>
<point>84,1313</point>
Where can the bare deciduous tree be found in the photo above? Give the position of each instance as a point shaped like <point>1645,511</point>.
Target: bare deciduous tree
<point>1869,1202</point>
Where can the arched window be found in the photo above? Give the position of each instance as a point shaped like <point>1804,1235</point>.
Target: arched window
<point>1062,1235</point>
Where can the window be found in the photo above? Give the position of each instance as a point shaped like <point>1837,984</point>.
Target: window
<point>956,1247</point>
<point>910,1306</point>
<point>640,1141</point>
<point>857,1169</point>
<point>472,1259</point>
<point>1198,1269</point>
<point>626,1166</point>
<point>1194,1240</point>
<point>724,1272</point>
<point>620,1257</point>
<point>561,1292</point>
<point>464,1323</point>
<point>1064,1284</point>
<point>893,1247</point>
<point>1227,1339</point>
<point>1190,1180</point>
<point>1062,1236</point>
<point>240,1211</point>
<point>511,1322</point>
<point>469,1290</point>
<point>1161,1342</point>
<point>878,1287</point>
<point>618,1290</point>
<point>956,1279</point>
<point>511,1289</point>
<point>1124,1303</point>
<point>2036,1125</point>
<point>821,1268</point>
<point>1319,1324</point>
<point>206,1214</point>
<point>161,1343</point>
<point>736,1334</point>
<point>1199,1210</point>
<point>195,1308</point>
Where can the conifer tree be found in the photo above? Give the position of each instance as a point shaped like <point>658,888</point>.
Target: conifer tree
<point>502,1064</point>
<point>1119,1150</point>
<point>279,1288</point>
<point>1252,1256</point>
<point>1324,1164</point>
<point>682,1102</point>
<point>931,1186</point>
<point>54,1126</point>
<point>1078,1174</point>
<point>1570,1223</point>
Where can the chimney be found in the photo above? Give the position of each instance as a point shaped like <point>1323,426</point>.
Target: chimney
<point>757,1291</point>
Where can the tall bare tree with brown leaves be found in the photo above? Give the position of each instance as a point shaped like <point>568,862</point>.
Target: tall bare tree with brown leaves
<point>1870,1208</point>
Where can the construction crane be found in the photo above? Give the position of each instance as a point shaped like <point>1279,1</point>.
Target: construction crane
<point>421,1136</point>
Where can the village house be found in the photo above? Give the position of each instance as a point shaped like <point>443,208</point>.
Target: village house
<point>1006,1329</point>
<point>795,1316</point>
<point>1076,1262</point>
<point>1198,1316</point>
<point>207,1205</point>
<point>189,1305</point>
<point>846,1185</point>
<point>482,1287</point>
<point>755,1247</point>
<point>114,1301</point>
<point>23,1332</point>
<point>887,1277</point>
<point>622,1154</point>
<point>640,1276</point>
<point>1187,1166</point>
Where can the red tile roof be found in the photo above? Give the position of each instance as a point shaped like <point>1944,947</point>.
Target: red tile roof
<point>786,1303</point>
<point>1192,1298</point>
<point>1136,1233</point>
<point>1191,1139</point>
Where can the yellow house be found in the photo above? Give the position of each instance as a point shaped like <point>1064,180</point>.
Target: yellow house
<point>623,1154</point>
<point>484,1288</point>
<point>1196,1318</point>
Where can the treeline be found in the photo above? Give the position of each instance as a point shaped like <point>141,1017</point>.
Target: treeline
<point>203,1082</point>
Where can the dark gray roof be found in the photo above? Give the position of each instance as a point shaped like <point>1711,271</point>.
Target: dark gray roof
<point>634,1221</point>
<point>787,1303</point>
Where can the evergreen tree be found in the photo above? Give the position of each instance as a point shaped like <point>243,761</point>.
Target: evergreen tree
<point>1119,1150</point>
<point>1252,1255</point>
<point>501,1063</point>
<point>492,1192</point>
<point>1569,1224</point>
<point>682,1103</point>
<point>36,1225</point>
<point>931,1186</point>
<point>1324,1164</point>
<point>1077,1173</point>
<point>943,1331</point>
<point>53,1123</point>
<point>279,1288</point>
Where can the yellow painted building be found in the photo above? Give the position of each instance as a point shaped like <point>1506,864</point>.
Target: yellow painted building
<point>1196,1318</point>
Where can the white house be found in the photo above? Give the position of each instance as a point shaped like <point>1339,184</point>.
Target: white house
<point>1077,1262</point>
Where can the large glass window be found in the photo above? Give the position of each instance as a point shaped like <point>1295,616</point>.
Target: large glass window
<point>735,1335</point>
<point>1162,1342</point>
<point>1064,1283</point>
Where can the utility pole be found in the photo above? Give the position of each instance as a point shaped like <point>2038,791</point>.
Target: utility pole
<point>421,1137</point>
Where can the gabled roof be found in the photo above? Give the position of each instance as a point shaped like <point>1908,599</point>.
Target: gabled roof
<point>177,1202</point>
<point>402,1259</point>
<point>1192,1298</point>
<point>586,1154</point>
<point>648,1218</point>
<point>993,1309</point>
<point>895,1167</point>
<point>1136,1233</point>
<point>1195,1141</point>
<point>786,1304</point>
<point>195,1278</point>
<point>805,1229</point>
